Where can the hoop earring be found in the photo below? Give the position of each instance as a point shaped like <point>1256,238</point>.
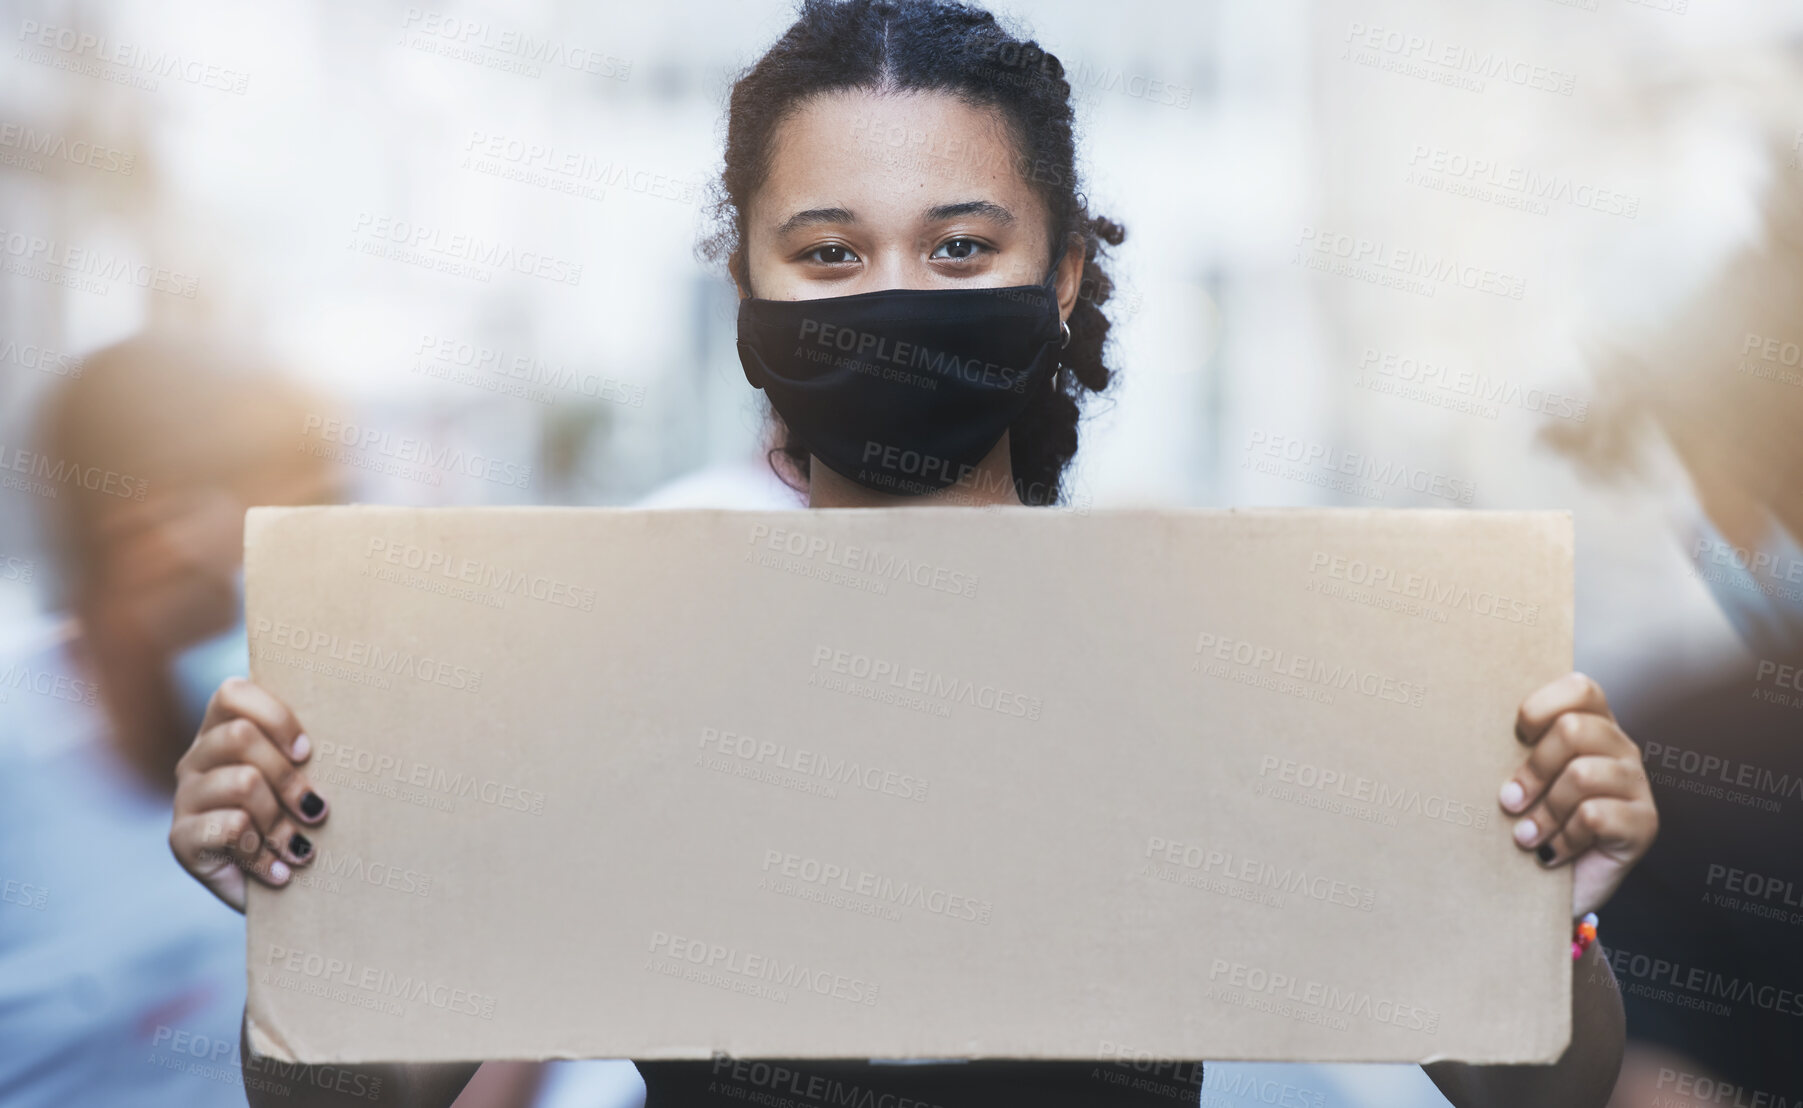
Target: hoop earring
<point>1066,328</point>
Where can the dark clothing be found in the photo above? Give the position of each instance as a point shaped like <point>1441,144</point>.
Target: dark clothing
<point>1706,934</point>
<point>807,1083</point>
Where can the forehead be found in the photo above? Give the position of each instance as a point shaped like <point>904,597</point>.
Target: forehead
<point>889,157</point>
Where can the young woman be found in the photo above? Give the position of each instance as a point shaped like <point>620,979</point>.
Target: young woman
<point>900,184</point>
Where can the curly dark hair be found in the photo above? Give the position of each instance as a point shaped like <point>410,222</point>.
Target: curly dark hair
<point>956,48</point>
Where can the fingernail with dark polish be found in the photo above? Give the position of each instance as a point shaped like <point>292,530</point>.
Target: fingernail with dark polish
<point>311,805</point>
<point>1545,852</point>
<point>299,846</point>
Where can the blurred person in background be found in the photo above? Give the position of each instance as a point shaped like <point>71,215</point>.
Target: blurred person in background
<point>1707,936</point>
<point>121,981</point>
<point>118,985</point>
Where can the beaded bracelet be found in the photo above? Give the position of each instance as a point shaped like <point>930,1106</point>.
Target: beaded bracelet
<point>1582,935</point>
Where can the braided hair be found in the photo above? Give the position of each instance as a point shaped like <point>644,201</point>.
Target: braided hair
<point>960,49</point>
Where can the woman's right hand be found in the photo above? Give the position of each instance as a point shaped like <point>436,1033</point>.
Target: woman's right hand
<point>242,797</point>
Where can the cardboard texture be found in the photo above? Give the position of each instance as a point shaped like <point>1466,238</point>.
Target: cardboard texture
<point>923,782</point>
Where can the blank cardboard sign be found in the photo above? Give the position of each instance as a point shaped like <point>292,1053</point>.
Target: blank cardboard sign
<point>922,782</point>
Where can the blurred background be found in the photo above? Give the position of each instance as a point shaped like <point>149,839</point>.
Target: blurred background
<point>1526,254</point>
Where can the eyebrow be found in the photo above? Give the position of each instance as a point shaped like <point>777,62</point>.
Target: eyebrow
<point>971,207</point>
<point>939,214</point>
<point>815,215</point>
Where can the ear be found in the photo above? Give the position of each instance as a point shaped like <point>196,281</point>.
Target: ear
<point>1070,277</point>
<point>734,262</point>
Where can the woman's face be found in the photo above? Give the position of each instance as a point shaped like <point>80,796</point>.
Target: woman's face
<point>906,191</point>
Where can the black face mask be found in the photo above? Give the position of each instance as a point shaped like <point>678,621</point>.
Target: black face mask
<point>905,390</point>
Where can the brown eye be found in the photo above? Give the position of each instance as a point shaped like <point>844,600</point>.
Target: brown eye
<point>958,250</point>
<point>831,254</point>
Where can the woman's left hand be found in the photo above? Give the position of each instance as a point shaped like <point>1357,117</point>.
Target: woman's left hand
<point>1582,795</point>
